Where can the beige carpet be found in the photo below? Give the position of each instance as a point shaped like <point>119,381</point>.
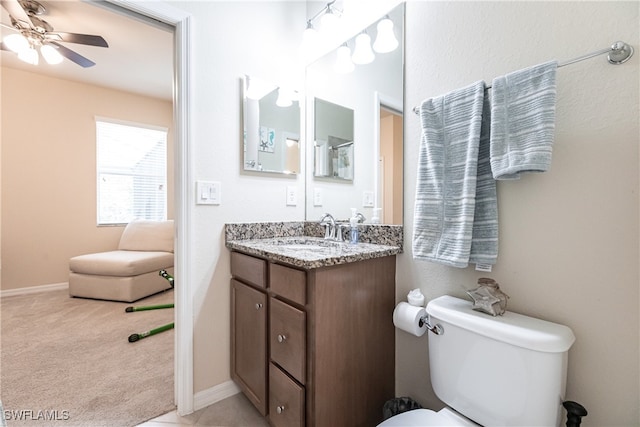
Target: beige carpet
<point>68,361</point>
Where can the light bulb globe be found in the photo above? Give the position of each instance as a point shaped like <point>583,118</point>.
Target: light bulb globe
<point>362,53</point>
<point>385,40</point>
<point>29,55</point>
<point>343,63</point>
<point>16,42</point>
<point>51,54</point>
<point>328,20</point>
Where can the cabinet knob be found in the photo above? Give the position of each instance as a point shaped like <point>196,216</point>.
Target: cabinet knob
<point>282,338</point>
<point>280,409</point>
<point>258,306</point>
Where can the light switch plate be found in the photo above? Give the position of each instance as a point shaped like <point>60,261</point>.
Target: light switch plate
<point>208,193</point>
<point>292,196</point>
<point>367,199</point>
<point>317,197</point>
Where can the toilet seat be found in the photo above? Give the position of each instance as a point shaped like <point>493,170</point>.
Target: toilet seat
<point>427,417</point>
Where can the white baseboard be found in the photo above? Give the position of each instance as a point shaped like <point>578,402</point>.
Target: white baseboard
<point>34,289</point>
<point>214,394</point>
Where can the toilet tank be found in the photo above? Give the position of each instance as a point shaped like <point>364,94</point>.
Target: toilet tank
<point>507,370</point>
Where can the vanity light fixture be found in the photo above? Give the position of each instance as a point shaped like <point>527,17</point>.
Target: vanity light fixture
<point>343,64</point>
<point>285,97</point>
<point>310,35</point>
<point>362,53</point>
<point>328,16</point>
<point>385,40</point>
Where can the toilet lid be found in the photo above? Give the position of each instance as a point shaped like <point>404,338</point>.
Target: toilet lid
<point>427,417</point>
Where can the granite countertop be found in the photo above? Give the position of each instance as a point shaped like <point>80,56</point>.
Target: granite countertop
<point>311,252</point>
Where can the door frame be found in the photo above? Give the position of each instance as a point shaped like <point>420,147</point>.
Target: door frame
<point>181,21</point>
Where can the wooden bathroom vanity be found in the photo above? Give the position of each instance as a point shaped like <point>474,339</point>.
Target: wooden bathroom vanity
<point>313,342</point>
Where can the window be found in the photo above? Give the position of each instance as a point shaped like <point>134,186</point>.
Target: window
<point>132,172</point>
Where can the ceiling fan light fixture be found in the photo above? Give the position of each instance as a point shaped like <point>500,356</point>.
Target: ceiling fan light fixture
<point>51,54</point>
<point>16,42</point>
<point>29,55</point>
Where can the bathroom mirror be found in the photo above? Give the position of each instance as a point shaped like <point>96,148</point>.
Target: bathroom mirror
<point>271,124</point>
<point>333,141</point>
<point>374,92</point>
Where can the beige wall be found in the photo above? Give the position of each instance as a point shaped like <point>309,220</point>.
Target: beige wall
<point>49,172</point>
<point>569,237</point>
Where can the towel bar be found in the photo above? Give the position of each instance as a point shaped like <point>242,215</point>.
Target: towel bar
<point>619,53</point>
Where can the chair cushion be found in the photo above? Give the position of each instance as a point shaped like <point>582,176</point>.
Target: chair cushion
<point>121,263</point>
<point>144,235</point>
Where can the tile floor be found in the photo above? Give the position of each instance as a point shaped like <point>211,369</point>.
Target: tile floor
<point>234,411</point>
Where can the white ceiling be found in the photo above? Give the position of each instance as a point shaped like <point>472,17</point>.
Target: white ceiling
<point>139,58</point>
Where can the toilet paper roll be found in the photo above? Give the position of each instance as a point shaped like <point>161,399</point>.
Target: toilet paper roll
<point>407,317</point>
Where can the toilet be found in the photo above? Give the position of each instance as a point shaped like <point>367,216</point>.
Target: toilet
<point>507,370</point>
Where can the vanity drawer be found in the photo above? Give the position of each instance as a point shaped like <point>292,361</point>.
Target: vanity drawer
<point>289,283</point>
<point>288,338</point>
<point>286,400</point>
<point>249,269</point>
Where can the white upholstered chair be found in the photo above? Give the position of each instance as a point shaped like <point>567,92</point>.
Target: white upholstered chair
<point>132,271</point>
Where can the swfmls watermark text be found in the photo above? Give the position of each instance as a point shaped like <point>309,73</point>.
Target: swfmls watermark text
<point>36,415</point>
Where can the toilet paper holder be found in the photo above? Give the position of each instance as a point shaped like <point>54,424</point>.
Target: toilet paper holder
<point>426,321</point>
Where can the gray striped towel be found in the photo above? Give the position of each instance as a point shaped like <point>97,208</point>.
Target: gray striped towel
<point>523,120</point>
<point>484,241</point>
<point>445,205</point>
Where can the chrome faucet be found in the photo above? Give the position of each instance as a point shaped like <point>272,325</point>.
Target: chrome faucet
<point>329,226</point>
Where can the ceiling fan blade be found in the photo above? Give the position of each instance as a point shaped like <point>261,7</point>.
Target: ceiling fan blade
<point>73,56</point>
<point>8,27</point>
<point>16,11</point>
<point>87,39</point>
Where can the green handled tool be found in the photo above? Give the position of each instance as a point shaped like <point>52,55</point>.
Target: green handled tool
<point>136,337</point>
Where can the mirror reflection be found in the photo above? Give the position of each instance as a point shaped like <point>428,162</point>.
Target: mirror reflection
<point>271,121</point>
<point>374,92</point>
<point>333,141</point>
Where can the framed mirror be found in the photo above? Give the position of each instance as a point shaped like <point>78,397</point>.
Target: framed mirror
<point>333,141</point>
<point>374,93</point>
<point>271,127</point>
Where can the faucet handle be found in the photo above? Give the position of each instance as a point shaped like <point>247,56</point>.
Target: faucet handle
<point>339,233</point>
<point>360,217</point>
<point>328,230</point>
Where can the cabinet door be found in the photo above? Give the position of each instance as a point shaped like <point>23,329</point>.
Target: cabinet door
<point>249,342</point>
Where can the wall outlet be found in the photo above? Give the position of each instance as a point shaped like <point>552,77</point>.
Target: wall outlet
<point>292,196</point>
<point>317,197</point>
<point>367,199</point>
<point>208,193</point>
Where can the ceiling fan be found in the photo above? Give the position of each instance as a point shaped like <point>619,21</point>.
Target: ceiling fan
<point>33,32</point>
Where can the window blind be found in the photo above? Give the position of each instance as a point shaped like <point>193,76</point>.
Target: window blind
<point>131,172</point>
